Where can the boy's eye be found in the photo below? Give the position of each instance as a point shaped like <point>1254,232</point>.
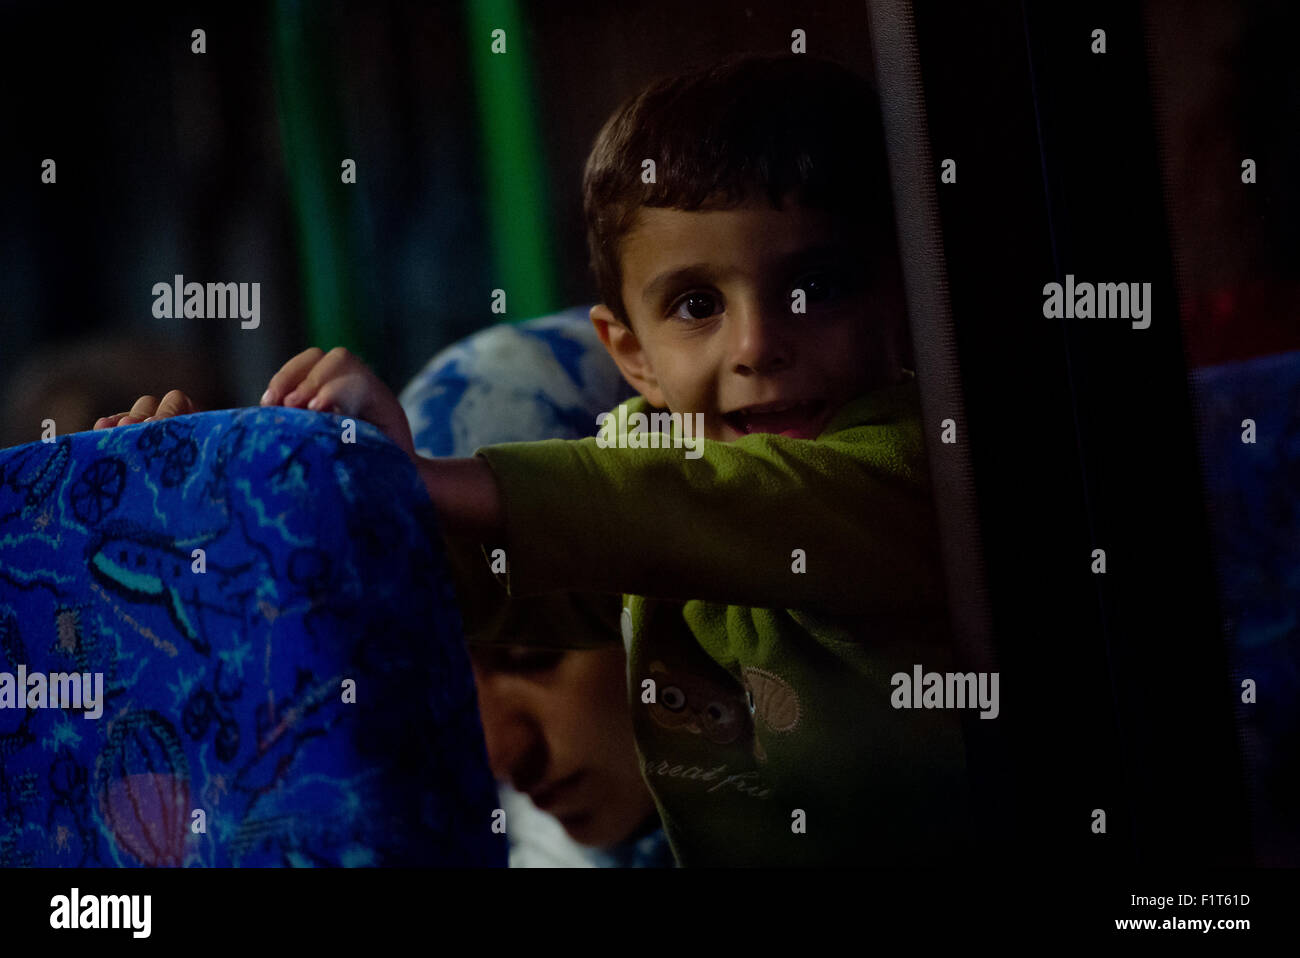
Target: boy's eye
<point>519,660</point>
<point>819,287</point>
<point>695,306</point>
<point>534,660</point>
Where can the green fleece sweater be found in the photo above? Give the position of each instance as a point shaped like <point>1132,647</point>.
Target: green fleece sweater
<point>771,588</point>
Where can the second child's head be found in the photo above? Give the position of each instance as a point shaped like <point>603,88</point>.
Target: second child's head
<point>742,237</point>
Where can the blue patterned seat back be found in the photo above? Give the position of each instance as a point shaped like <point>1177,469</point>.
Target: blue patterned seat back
<point>227,736</point>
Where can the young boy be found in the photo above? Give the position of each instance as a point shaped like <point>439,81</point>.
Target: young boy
<point>777,577</point>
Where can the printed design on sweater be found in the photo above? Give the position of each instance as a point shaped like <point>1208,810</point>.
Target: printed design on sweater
<point>771,699</point>
<point>773,702</point>
<point>690,703</point>
<point>747,783</point>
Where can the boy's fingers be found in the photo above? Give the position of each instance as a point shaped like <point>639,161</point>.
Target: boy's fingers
<point>330,366</point>
<point>108,422</point>
<point>175,403</point>
<point>144,406</point>
<point>345,393</point>
<point>290,375</point>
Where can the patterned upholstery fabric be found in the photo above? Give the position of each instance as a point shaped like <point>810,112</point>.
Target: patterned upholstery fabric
<point>225,737</point>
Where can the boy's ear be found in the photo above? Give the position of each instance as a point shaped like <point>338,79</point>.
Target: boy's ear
<point>626,350</point>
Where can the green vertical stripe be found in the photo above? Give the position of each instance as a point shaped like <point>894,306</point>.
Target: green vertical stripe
<point>313,152</point>
<point>519,227</point>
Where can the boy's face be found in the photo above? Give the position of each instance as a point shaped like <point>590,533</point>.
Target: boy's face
<point>558,729</point>
<point>710,296</point>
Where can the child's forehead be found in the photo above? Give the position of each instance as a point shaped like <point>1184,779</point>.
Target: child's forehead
<point>753,210</point>
<point>661,236</point>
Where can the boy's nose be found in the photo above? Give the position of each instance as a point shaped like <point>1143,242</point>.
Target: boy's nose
<point>761,338</point>
<point>516,746</point>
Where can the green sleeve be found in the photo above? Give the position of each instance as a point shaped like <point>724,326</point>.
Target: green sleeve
<point>724,527</point>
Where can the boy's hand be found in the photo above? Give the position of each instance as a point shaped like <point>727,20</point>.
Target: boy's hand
<point>147,408</point>
<point>336,381</point>
<point>339,382</point>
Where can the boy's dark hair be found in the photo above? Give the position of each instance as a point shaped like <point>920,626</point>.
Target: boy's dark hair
<point>750,125</point>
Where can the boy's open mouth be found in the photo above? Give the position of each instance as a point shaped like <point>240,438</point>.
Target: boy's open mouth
<point>799,420</point>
